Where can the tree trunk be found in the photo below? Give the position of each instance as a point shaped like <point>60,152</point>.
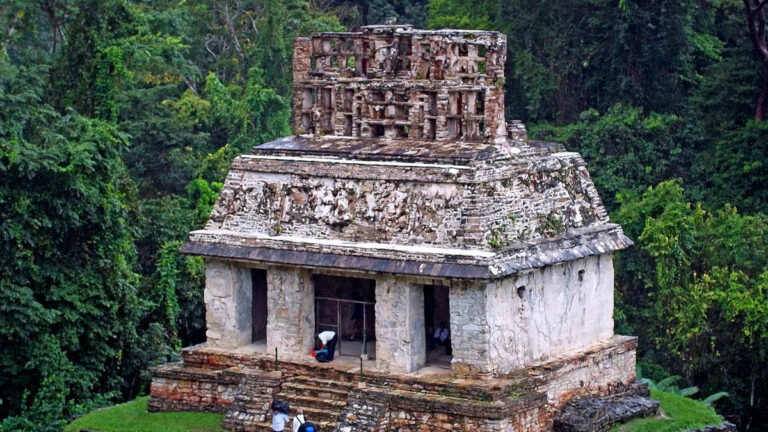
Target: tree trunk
<point>761,107</point>
<point>756,22</point>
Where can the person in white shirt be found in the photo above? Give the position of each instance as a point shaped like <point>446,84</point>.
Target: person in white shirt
<point>442,336</point>
<point>279,420</point>
<point>326,353</point>
<point>298,420</point>
<point>326,337</point>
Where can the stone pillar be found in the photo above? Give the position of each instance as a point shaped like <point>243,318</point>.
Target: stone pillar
<point>228,291</point>
<point>291,312</point>
<point>470,334</point>
<point>400,338</point>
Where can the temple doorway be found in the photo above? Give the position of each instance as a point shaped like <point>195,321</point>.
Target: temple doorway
<point>347,306</point>
<point>259,306</point>
<point>437,319</point>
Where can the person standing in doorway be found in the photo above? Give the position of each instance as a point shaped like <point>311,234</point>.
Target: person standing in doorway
<point>442,336</point>
<point>356,330</point>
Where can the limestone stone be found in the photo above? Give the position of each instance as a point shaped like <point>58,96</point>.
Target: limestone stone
<point>227,304</point>
<point>470,332</point>
<point>291,311</point>
<point>400,332</point>
<point>551,311</point>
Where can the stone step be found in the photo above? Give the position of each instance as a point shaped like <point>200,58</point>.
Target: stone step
<point>321,382</point>
<point>315,391</point>
<point>300,401</point>
<point>267,427</point>
<point>317,415</point>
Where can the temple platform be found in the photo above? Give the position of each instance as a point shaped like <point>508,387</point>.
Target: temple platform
<point>349,395</point>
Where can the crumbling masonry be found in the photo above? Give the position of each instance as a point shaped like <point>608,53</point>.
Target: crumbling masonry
<point>403,177</point>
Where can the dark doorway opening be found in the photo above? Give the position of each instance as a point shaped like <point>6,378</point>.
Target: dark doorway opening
<point>259,305</point>
<point>347,306</point>
<point>437,319</point>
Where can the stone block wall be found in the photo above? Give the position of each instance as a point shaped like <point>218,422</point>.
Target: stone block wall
<point>252,399</point>
<point>376,410</point>
<point>400,332</point>
<point>241,385</point>
<point>178,388</point>
<point>601,370</point>
<point>228,291</point>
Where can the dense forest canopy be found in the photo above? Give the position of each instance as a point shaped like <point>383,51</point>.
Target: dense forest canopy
<point>118,119</point>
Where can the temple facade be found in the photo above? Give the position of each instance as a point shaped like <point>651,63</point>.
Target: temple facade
<point>455,258</point>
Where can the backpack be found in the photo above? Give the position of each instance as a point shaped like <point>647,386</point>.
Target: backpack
<point>280,406</point>
<point>308,427</point>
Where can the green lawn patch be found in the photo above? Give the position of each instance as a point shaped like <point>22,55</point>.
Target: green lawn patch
<point>133,417</point>
<point>677,413</point>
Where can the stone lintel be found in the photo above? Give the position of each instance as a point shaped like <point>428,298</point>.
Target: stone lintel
<point>335,261</point>
<point>581,243</point>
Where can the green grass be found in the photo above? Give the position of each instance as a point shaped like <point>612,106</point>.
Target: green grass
<point>677,413</point>
<point>133,417</point>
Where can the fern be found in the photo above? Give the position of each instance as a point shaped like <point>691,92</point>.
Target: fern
<point>711,399</point>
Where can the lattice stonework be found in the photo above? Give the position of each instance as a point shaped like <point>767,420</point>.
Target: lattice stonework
<point>442,85</point>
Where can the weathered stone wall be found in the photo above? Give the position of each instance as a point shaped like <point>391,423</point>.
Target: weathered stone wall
<point>178,388</point>
<point>550,311</point>
<point>487,209</point>
<point>291,311</point>
<point>228,291</point>
<point>470,330</point>
<point>396,411</point>
<point>329,208</point>
<point>551,197</point>
<point>539,314</point>
<point>252,399</point>
<point>601,370</point>
<point>400,332</point>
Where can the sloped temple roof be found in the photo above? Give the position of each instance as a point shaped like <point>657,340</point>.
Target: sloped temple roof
<point>402,163</point>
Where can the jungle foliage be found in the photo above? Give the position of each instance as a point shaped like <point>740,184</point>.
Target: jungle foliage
<point>118,120</point>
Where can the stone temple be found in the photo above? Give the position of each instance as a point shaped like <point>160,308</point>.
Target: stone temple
<point>404,204</point>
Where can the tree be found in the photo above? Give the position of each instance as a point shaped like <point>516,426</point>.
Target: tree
<point>627,149</point>
<point>696,287</point>
<point>569,56</point>
<point>68,290</point>
<point>755,11</point>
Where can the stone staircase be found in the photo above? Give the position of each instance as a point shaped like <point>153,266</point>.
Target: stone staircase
<point>321,400</point>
